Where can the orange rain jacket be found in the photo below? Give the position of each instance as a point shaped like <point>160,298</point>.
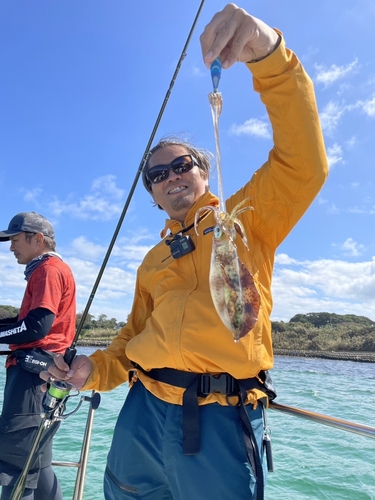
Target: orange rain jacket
<point>173,322</point>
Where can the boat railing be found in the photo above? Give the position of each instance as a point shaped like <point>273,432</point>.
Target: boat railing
<point>81,465</point>
<point>344,425</point>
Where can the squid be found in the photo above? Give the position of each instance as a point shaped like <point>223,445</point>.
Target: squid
<point>233,291</point>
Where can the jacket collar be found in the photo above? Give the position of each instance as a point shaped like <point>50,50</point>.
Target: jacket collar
<point>174,226</point>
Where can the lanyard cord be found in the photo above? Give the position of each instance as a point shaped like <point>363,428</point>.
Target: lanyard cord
<point>186,229</point>
<point>71,351</point>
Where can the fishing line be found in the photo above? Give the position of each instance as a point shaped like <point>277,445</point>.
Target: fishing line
<point>71,351</point>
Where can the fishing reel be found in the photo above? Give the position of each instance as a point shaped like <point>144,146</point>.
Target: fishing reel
<point>56,397</point>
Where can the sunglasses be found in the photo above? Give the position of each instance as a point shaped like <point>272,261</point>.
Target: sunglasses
<point>179,165</point>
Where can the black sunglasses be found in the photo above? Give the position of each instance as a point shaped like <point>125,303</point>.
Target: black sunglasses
<point>179,165</point>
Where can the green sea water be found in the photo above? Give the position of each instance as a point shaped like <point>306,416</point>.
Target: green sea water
<point>311,461</point>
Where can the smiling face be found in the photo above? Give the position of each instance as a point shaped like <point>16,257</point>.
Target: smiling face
<point>178,192</point>
<point>24,250</point>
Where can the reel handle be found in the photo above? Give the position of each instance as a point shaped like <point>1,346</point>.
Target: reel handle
<point>94,400</point>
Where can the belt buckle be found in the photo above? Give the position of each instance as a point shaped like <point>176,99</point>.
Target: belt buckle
<point>224,383</point>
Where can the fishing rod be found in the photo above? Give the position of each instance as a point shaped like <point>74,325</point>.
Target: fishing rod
<point>338,423</point>
<point>71,351</point>
<point>57,391</point>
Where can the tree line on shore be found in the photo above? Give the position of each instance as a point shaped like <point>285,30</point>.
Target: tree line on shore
<point>312,331</point>
<point>325,332</point>
<point>102,327</point>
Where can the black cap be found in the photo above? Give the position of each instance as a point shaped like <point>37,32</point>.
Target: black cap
<point>28,222</point>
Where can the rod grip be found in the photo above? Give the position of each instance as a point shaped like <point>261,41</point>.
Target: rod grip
<point>69,355</point>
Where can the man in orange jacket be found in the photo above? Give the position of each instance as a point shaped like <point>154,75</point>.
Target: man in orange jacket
<point>192,425</point>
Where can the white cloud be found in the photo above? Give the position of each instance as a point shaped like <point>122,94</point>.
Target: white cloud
<point>310,53</point>
<point>90,207</point>
<point>352,248</point>
<point>324,285</point>
<point>140,235</point>
<point>343,87</point>
<point>328,76</point>
<point>333,112</point>
<point>334,209</point>
<point>198,73</point>
<point>132,252</point>
<point>254,127</point>
<point>362,210</point>
<point>114,295</point>
<point>366,209</point>
<point>369,107</point>
<point>107,184</point>
<point>87,249</point>
<point>334,155</point>
<point>351,142</point>
<point>31,194</point>
<point>102,204</point>
<point>115,290</point>
<point>12,278</point>
<point>283,259</point>
<point>116,287</point>
<point>331,115</point>
<point>124,250</point>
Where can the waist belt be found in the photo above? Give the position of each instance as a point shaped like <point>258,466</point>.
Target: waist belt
<point>203,384</point>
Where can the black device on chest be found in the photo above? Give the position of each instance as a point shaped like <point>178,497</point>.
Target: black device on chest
<point>180,245</point>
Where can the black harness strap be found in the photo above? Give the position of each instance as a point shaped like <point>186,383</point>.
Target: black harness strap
<point>202,385</point>
<point>252,448</point>
<point>190,420</point>
<point>190,410</point>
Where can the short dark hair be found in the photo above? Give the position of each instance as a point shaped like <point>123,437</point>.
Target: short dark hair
<point>49,242</point>
<point>202,156</point>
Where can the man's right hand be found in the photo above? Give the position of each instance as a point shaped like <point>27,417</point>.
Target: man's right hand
<point>76,374</point>
<point>235,35</point>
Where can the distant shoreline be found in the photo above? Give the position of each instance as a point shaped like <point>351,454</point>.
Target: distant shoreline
<point>364,357</point>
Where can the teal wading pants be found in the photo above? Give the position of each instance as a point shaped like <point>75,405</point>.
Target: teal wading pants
<point>146,459</point>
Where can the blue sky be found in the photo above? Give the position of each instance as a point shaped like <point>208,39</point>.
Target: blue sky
<point>81,88</point>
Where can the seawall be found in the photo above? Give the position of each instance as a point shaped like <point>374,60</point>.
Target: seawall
<point>364,357</point>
